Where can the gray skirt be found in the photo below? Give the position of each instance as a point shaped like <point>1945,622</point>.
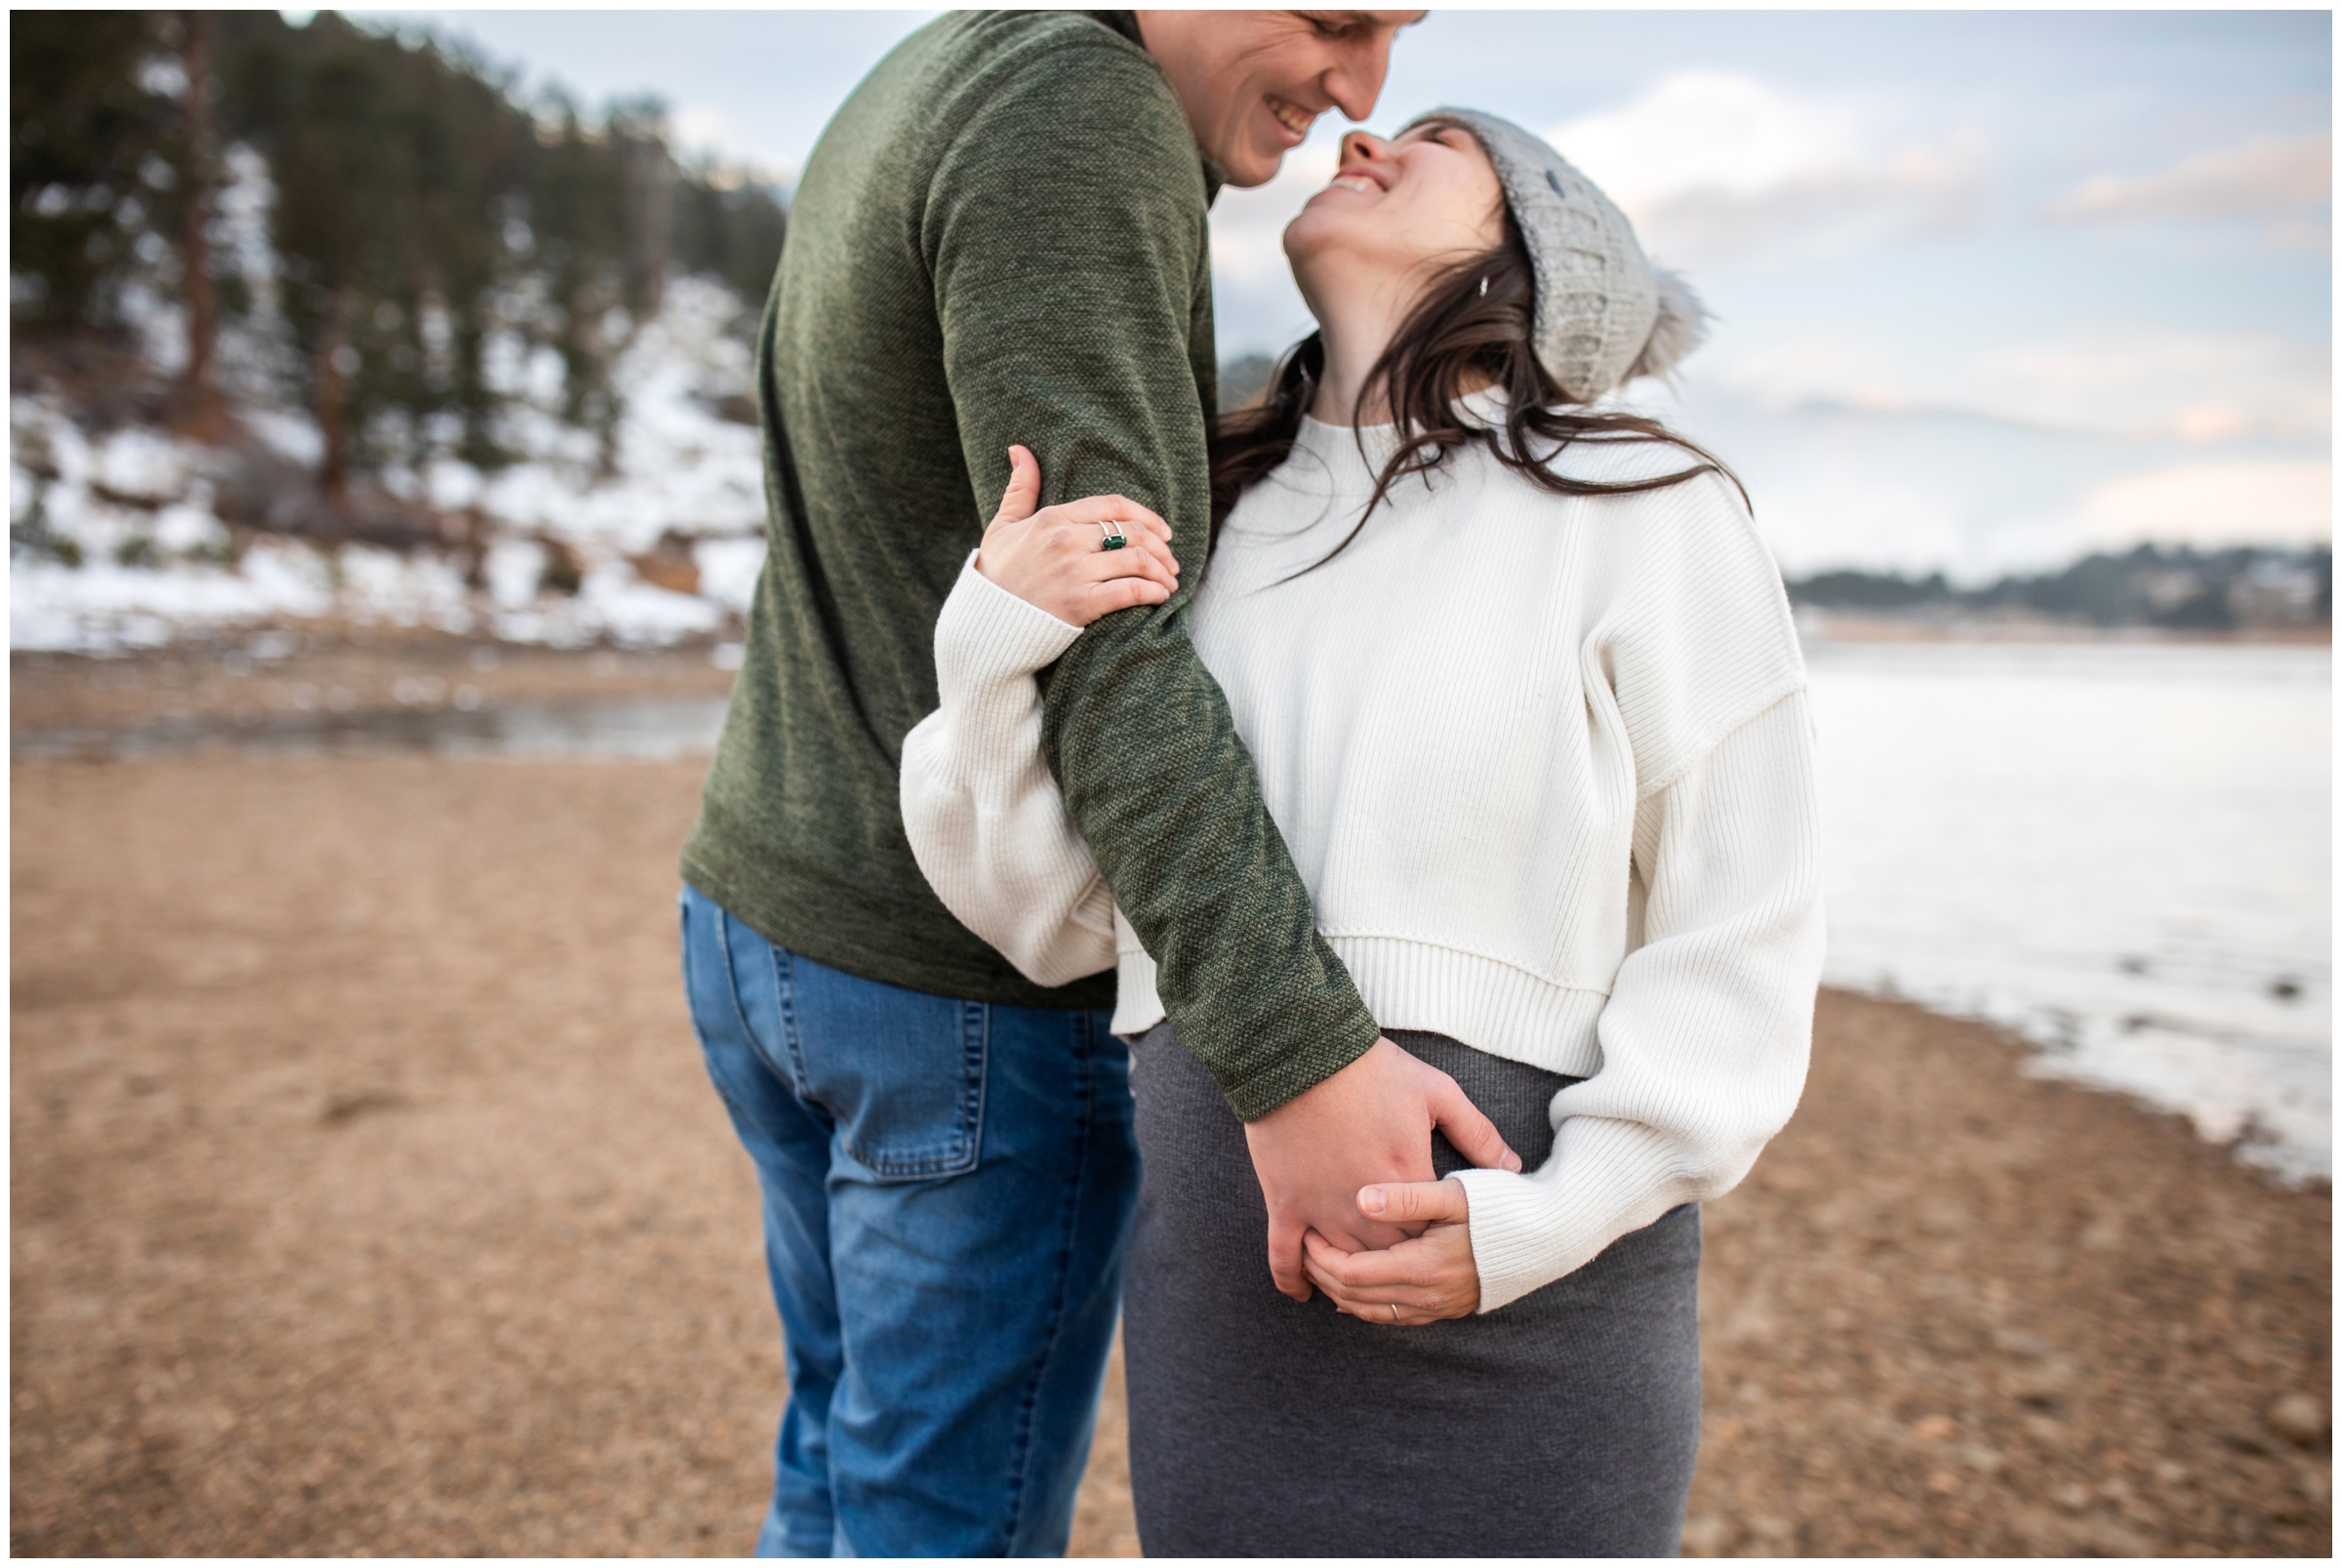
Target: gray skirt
<point>1562,1424</point>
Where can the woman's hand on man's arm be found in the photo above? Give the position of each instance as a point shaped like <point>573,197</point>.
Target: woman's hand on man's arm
<point>1054,558</point>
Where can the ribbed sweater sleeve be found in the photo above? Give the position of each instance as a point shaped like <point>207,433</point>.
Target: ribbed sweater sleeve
<point>985,821</point>
<point>1704,1037</point>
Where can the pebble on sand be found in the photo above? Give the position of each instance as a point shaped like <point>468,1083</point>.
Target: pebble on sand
<point>2299,1418</point>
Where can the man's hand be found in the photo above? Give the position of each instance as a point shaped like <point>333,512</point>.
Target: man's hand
<point>1416,1282</point>
<point>1369,1123</point>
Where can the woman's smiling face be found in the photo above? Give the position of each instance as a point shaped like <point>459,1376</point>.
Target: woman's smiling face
<point>1402,209</point>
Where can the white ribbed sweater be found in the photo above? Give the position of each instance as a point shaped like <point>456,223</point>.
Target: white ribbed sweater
<point>1545,766</point>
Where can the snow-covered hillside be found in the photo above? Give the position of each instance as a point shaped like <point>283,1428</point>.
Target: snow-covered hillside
<point>118,539</point>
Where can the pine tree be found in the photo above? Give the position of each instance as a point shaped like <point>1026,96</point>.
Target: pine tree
<point>197,177</point>
<point>414,199</point>
<point>729,228</point>
<point>91,121</point>
<point>578,212</point>
<point>396,169</point>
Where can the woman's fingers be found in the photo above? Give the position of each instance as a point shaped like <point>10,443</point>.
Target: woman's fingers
<point>1023,497</point>
<point>1430,1279</point>
<point>1390,1268</point>
<point>1080,606</point>
<point>1123,593</point>
<point>1394,1309</point>
<point>1145,556</point>
<point>1083,526</point>
<point>1082,566</point>
<point>1091,510</point>
<point>1080,585</point>
<point>1416,1202</point>
<point>1416,1304</point>
<point>1151,534</point>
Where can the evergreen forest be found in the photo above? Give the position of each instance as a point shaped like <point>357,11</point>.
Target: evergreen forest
<point>394,208</point>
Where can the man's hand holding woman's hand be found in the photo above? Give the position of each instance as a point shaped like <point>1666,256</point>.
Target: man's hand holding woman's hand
<point>1054,558</point>
<point>1368,1129</point>
<point>1415,1282</point>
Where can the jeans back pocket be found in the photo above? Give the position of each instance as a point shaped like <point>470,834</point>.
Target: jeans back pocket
<point>899,1072</point>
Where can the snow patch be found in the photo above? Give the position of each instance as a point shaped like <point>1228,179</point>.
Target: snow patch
<point>117,542</point>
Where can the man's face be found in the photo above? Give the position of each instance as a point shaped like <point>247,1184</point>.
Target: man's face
<point>1252,81</point>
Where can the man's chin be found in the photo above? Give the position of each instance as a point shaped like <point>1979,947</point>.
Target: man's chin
<point>1248,172</point>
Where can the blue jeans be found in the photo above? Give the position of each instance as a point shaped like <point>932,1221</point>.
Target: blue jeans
<point>947,1194</point>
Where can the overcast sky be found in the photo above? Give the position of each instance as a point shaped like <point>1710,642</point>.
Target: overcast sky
<point>1993,288</point>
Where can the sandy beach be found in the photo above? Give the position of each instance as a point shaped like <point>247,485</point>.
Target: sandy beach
<point>368,1199</point>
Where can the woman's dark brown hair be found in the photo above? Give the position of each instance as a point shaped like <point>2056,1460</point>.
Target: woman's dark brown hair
<point>1461,336</point>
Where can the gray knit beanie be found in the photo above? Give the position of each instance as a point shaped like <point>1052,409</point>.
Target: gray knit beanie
<point>1604,314</point>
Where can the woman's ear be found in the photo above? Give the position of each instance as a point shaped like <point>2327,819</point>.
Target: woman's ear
<point>1682,326</point>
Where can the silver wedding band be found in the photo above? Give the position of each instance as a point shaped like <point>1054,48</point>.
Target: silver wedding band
<point>1114,538</point>
<point>1394,1305</point>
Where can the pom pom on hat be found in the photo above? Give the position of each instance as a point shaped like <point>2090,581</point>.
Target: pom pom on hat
<point>1680,327</point>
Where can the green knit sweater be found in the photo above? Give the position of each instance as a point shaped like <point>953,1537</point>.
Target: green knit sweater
<point>1003,237</point>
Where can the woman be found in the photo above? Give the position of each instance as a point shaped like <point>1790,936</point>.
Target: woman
<point>1526,701</point>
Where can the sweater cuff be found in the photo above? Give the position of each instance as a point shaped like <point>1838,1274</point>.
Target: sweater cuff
<point>987,635</point>
<point>1605,1179</point>
<point>1313,1056</point>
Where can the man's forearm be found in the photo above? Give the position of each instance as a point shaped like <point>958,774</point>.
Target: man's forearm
<point>1140,737</point>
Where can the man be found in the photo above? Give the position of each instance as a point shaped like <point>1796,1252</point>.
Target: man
<point>1003,237</point>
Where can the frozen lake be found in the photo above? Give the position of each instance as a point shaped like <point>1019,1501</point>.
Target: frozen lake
<point>2121,851</point>
<point>655,729</point>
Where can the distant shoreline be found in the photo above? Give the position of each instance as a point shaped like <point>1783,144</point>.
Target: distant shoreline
<point>1819,626</point>
<point>2036,1061</point>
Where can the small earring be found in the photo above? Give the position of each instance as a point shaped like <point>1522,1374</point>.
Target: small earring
<point>1483,288</point>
